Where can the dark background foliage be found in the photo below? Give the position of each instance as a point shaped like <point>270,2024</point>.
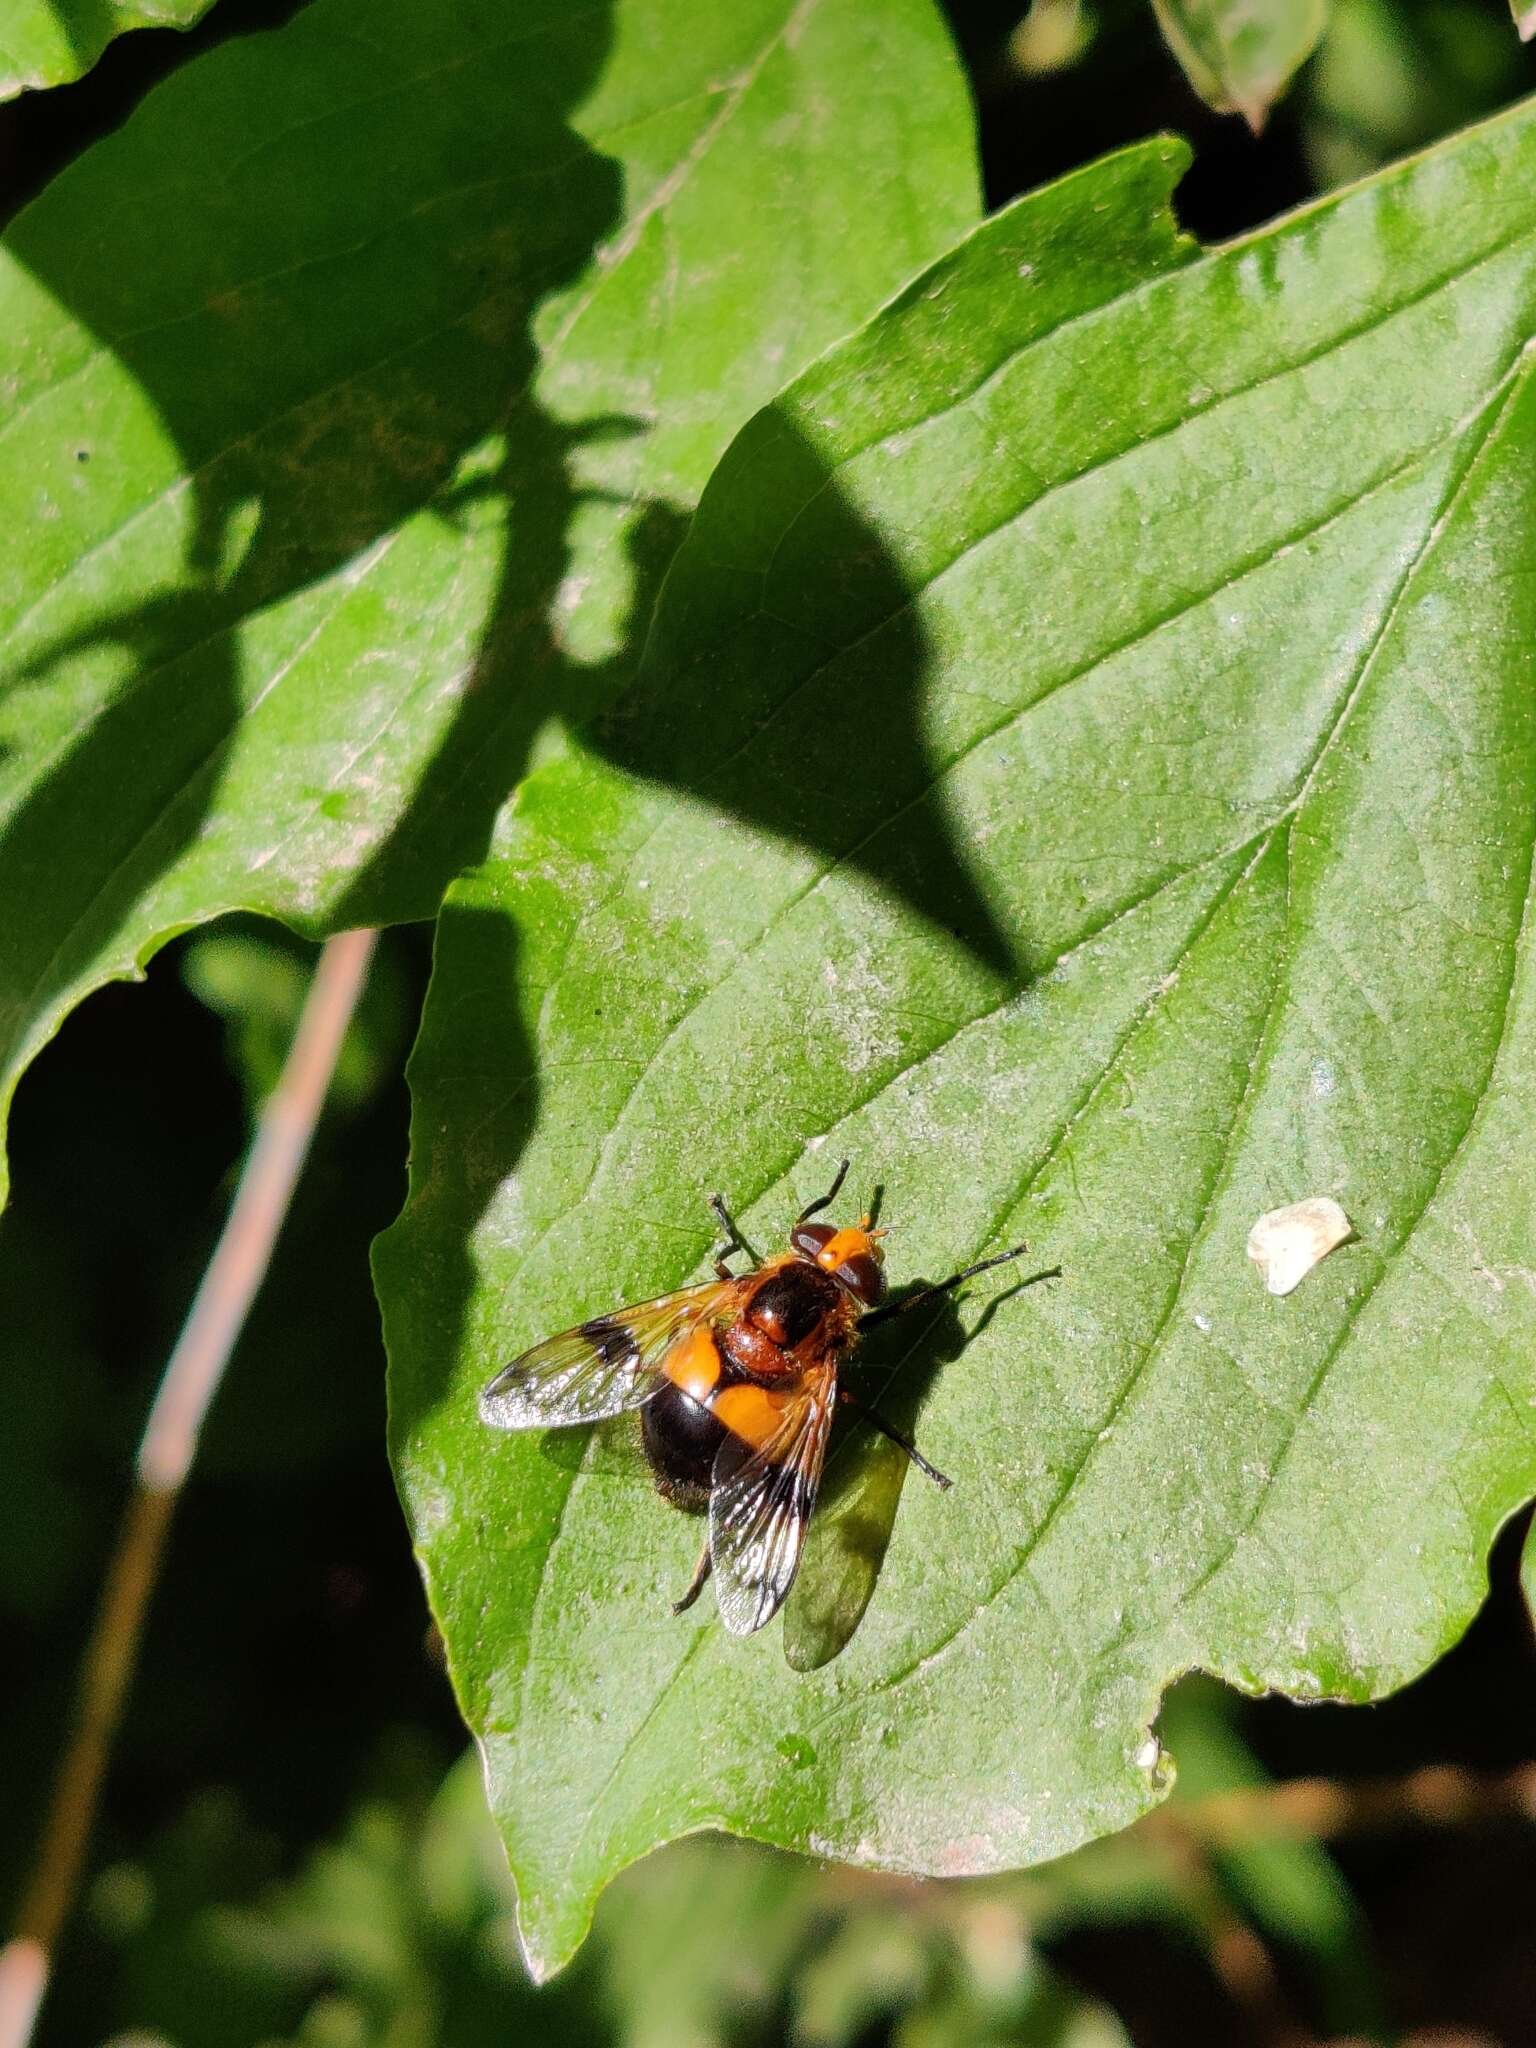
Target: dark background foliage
<point>275,1860</point>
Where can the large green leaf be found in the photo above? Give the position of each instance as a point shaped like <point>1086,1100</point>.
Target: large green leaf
<point>356,392</point>
<point>1085,771</point>
<point>49,42</point>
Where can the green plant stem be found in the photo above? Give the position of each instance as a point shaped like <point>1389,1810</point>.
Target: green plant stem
<point>187,1388</point>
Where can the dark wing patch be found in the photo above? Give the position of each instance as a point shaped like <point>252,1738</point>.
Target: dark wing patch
<point>759,1504</point>
<point>602,1367</point>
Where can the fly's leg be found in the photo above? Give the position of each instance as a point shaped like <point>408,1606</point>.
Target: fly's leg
<point>696,1583</point>
<point>902,1442</point>
<point>824,1201</point>
<point>734,1241</point>
<point>926,1294</point>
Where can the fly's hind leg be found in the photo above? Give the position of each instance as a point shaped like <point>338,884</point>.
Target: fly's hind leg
<point>734,1241</point>
<point>696,1583</point>
<point>903,1443</point>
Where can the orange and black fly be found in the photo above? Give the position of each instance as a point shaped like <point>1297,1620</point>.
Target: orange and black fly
<point>736,1383</point>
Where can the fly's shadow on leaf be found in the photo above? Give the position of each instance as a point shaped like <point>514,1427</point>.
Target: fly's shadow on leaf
<point>861,1491</point>
<point>838,765</point>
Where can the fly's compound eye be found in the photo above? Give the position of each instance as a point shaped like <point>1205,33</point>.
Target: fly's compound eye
<point>810,1238</point>
<point>864,1277</point>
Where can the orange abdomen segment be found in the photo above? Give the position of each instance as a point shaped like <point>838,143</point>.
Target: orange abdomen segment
<point>694,1365</point>
<point>754,1413</point>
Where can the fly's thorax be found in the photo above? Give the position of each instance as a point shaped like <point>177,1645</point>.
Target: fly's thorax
<point>790,1302</point>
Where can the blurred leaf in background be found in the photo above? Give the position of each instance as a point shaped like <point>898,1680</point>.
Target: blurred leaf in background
<point>1393,74</point>
<point>1052,36</point>
<point>255,975</point>
<point>1240,55</point>
<point>1290,1889</point>
<point>400,1932</point>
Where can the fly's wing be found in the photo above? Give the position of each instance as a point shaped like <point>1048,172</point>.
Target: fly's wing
<point>761,1499</point>
<point>601,1367</point>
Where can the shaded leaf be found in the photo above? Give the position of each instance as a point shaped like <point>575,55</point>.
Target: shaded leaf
<point>1085,772</point>
<point>49,42</point>
<point>330,498</point>
<point>398,1930</point>
<point>1240,55</point>
<point>394,1932</point>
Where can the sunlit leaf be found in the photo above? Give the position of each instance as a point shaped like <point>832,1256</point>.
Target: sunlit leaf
<point>1084,770</point>
<point>49,42</point>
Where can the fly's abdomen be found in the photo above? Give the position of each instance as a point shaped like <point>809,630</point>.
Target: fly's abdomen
<point>708,1396</point>
<point>681,1436</point>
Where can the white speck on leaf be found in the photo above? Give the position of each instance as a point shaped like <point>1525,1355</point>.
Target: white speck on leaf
<point>1285,1244</point>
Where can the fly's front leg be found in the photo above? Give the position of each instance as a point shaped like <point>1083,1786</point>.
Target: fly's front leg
<point>924,1295</point>
<point>734,1241</point>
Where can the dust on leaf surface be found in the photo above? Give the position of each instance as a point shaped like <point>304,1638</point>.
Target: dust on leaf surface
<point>1083,771</point>
<point>329,496</point>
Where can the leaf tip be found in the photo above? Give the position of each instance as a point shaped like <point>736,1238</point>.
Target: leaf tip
<point>1255,112</point>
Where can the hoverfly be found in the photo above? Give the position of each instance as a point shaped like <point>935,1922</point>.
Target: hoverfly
<point>736,1382</point>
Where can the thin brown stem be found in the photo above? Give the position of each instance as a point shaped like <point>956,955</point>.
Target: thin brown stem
<point>187,1388</point>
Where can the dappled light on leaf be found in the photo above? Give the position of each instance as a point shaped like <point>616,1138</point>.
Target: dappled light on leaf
<point>333,499</point>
